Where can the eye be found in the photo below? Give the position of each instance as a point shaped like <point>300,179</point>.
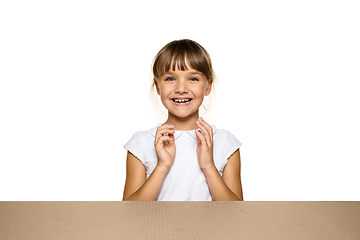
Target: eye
<point>170,79</point>
<point>193,79</point>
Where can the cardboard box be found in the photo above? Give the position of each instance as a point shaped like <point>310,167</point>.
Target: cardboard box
<point>179,220</point>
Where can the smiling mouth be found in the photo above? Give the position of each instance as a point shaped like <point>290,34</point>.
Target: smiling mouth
<point>183,100</point>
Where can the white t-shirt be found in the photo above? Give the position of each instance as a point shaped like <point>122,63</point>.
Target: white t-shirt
<point>185,180</point>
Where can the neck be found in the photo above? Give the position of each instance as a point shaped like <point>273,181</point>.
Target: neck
<point>183,123</point>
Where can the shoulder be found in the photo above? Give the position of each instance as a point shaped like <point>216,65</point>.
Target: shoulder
<point>223,135</point>
<point>145,134</point>
<point>225,143</point>
<point>141,139</point>
<point>141,144</point>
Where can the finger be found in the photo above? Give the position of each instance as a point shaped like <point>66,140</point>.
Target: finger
<point>205,132</point>
<point>208,128</point>
<point>200,137</point>
<point>165,140</point>
<point>165,126</point>
<point>164,129</point>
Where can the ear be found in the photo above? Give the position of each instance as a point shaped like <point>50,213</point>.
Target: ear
<point>209,87</point>
<point>157,87</point>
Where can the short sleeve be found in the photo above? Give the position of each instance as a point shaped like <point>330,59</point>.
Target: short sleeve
<point>233,144</point>
<point>225,144</point>
<point>141,145</point>
<point>134,145</point>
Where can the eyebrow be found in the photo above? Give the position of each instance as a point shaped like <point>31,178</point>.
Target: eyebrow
<point>191,72</point>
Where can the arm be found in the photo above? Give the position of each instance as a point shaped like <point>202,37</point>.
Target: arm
<point>228,187</point>
<point>137,188</point>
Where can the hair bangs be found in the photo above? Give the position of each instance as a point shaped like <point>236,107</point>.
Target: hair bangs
<point>182,55</point>
<point>178,61</point>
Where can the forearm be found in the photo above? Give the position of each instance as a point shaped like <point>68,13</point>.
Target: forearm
<point>218,189</point>
<point>150,190</point>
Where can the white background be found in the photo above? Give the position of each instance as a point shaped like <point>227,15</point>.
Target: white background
<point>75,85</point>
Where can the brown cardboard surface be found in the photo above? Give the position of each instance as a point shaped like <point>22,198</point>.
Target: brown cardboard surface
<point>179,220</point>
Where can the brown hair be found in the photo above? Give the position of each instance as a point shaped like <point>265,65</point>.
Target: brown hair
<point>177,54</point>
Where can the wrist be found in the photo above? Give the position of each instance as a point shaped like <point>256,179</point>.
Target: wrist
<point>163,168</point>
<point>209,168</point>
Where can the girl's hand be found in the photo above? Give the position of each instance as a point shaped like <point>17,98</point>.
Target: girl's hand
<point>165,145</point>
<point>204,148</point>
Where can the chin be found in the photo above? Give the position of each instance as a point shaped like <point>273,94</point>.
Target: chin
<point>182,114</point>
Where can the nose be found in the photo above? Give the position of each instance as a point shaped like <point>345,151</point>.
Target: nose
<point>181,87</point>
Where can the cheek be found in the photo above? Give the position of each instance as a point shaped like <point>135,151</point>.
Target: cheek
<point>161,88</point>
<point>200,92</point>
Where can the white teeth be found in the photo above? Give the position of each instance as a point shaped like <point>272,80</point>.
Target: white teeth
<point>181,100</point>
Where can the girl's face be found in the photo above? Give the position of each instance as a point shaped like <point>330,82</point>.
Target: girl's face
<point>182,92</point>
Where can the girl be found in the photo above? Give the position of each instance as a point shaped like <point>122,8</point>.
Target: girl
<point>184,159</point>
